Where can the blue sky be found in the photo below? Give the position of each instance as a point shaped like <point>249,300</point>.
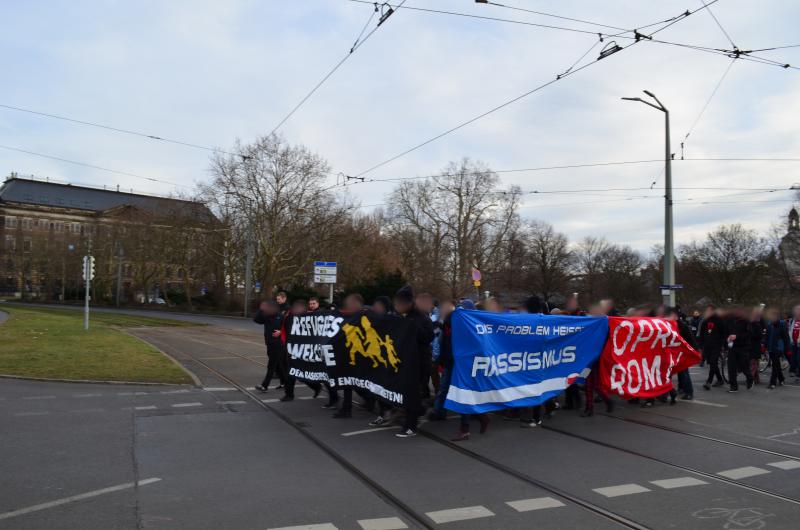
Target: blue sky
<point>209,72</point>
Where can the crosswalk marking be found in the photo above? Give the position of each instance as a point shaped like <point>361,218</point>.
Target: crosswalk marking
<point>231,402</point>
<point>622,489</point>
<point>323,526</point>
<point>459,514</point>
<point>786,464</point>
<point>528,505</point>
<point>183,405</point>
<point>219,389</point>
<point>146,407</point>
<point>680,482</point>
<point>743,472</point>
<point>384,523</point>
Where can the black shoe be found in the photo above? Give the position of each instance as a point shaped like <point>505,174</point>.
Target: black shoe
<point>609,406</point>
<point>749,384</point>
<point>287,398</point>
<point>771,387</point>
<point>329,406</point>
<point>672,400</point>
<point>279,386</point>
<point>733,390</point>
<point>648,403</point>
<point>634,401</point>
<point>718,383</point>
<point>587,413</point>
<point>662,399</point>
<point>261,388</point>
<point>407,433</point>
<point>342,414</point>
<point>687,397</point>
<point>317,392</point>
<point>707,386</point>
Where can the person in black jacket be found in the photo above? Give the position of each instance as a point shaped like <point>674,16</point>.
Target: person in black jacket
<point>737,330</point>
<point>711,336</point>
<point>269,315</point>
<point>686,333</point>
<point>404,305</point>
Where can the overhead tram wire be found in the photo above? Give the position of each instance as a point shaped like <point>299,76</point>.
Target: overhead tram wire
<point>359,42</point>
<point>117,129</point>
<point>710,12</point>
<point>92,166</point>
<point>514,8</point>
<point>515,99</point>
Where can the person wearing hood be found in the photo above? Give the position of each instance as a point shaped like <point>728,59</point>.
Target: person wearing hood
<point>405,307</point>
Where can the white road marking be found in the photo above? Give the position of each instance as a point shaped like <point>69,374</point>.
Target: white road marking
<point>272,400</point>
<point>182,391</point>
<point>131,393</point>
<point>31,413</point>
<point>781,435</point>
<point>87,395</point>
<point>706,403</point>
<point>184,405</point>
<point>305,397</point>
<point>622,489</point>
<point>528,505</point>
<point>146,407</point>
<point>365,431</point>
<point>680,482</point>
<point>220,389</point>
<point>786,464</point>
<point>39,397</point>
<point>74,498</point>
<point>231,402</point>
<point>459,514</point>
<point>743,472</point>
<point>87,410</point>
<point>385,523</point>
<point>323,526</point>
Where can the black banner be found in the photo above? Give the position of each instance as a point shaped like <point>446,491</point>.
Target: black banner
<point>375,353</point>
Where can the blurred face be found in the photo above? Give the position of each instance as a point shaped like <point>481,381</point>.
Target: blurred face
<point>352,303</point>
<point>493,306</point>
<point>402,306</point>
<point>596,310</point>
<point>445,309</point>
<point>708,312</point>
<point>424,303</point>
<point>696,313</point>
<point>313,304</point>
<point>756,313</point>
<point>772,315</point>
<point>571,305</point>
<point>379,308</point>
<point>299,307</point>
<point>281,298</point>
<point>796,311</point>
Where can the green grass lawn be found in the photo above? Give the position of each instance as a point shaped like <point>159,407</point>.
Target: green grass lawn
<point>52,343</point>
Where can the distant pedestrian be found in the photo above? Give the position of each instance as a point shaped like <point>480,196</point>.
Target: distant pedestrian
<point>269,315</point>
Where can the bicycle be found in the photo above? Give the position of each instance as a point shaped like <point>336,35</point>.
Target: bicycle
<point>765,363</point>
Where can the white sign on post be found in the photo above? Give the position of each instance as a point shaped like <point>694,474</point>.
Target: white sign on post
<point>324,272</point>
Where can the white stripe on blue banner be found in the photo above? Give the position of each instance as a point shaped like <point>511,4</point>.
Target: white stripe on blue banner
<point>505,395</point>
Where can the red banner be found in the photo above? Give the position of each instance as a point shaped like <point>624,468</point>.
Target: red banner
<point>641,355</point>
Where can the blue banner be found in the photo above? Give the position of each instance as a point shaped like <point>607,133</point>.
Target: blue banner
<point>505,360</point>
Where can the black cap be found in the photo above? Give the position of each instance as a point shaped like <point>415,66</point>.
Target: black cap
<point>405,293</point>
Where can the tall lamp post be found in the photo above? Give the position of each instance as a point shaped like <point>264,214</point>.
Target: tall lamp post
<point>669,244</point>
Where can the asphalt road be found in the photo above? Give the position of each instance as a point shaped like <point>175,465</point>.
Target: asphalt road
<point>218,457</point>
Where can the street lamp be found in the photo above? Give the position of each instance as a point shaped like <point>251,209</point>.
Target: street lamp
<point>669,245</point>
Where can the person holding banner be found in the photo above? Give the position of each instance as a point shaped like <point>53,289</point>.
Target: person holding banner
<point>298,308</point>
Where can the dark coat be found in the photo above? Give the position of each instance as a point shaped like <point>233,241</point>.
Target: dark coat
<point>777,337</point>
<point>712,334</point>
<point>271,324</point>
<point>425,334</point>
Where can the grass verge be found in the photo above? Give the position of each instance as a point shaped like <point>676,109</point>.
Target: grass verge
<point>52,343</point>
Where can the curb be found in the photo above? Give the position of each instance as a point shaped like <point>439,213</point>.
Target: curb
<point>195,379</point>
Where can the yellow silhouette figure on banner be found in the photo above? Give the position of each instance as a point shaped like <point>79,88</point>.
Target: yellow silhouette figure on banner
<point>365,341</point>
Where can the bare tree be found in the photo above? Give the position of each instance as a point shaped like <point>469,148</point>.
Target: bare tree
<point>549,259</point>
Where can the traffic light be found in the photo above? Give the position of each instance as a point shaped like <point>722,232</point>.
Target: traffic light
<point>91,269</point>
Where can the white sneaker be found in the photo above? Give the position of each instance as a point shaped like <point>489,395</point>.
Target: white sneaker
<point>406,433</point>
<point>377,422</point>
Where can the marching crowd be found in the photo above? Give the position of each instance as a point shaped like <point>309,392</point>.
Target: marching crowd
<point>733,341</point>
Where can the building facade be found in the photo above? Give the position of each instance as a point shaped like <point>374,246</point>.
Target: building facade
<point>145,246</point>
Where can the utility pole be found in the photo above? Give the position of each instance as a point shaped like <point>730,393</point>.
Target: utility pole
<point>119,271</point>
<point>668,292</point>
<point>248,274</point>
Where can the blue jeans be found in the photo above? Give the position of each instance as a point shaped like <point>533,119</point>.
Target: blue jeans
<point>441,396</point>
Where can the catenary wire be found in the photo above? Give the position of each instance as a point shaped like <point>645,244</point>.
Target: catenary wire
<point>589,22</point>
<point>92,166</point>
<point>710,12</point>
<point>327,76</point>
<point>511,101</point>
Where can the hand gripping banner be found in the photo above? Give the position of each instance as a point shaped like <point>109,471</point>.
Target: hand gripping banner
<point>641,356</point>
<point>518,360</point>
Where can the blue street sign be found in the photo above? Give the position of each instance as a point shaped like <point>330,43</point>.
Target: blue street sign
<point>671,287</point>
<point>325,264</point>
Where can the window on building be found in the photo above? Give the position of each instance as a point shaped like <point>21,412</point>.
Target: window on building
<point>26,245</point>
<point>76,228</point>
<point>59,227</point>
<point>11,243</point>
<point>36,223</point>
<point>27,224</point>
<point>11,221</point>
